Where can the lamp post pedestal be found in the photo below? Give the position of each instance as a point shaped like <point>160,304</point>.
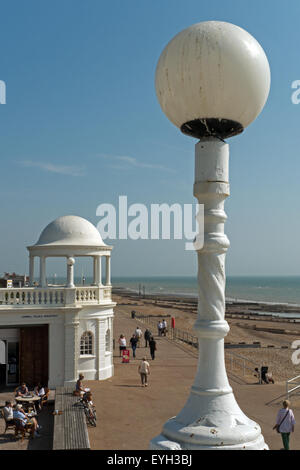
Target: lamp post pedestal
<point>211,418</point>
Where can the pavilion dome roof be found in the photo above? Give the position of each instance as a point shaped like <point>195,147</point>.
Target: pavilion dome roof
<point>70,230</point>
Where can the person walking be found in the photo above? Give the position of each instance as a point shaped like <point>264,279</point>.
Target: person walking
<point>285,423</point>
<point>122,344</point>
<point>152,346</point>
<point>144,371</point>
<point>133,342</point>
<point>138,334</point>
<point>147,336</point>
<point>164,327</point>
<point>159,324</point>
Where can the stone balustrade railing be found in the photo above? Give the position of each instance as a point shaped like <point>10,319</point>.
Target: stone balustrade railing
<point>54,296</point>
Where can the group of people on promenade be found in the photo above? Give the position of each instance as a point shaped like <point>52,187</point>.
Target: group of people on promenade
<point>162,327</point>
<point>135,342</point>
<point>264,375</point>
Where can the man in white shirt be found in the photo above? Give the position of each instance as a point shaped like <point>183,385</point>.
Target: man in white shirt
<point>8,411</point>
<point>138,334</point>
<point>144,371</point>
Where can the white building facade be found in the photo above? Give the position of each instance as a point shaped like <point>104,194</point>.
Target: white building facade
<point>51,333</point>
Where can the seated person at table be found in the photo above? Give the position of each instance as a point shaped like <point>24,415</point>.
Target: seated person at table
<point>79,389</point>
<point>22,390</point>
<point>40,392</point>
<point>24,421</point>
<point>8,412</point>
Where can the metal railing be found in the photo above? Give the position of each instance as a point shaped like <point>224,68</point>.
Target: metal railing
<point>237,361</point>
<point>295,383</point>
<point>184,336</point>
<point>173,333</point>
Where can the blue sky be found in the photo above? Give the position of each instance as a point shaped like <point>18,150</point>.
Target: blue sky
<point>80,94</point>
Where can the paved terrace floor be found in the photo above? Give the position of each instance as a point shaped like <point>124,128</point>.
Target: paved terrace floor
<point>129,415</point>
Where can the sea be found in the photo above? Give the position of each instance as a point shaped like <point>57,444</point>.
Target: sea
<point>271,289</point>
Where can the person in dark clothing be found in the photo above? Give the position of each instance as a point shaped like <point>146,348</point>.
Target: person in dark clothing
<point>263,372</point>
<point>147,336</point>
<point>133,342</point>
<point>152,346</point>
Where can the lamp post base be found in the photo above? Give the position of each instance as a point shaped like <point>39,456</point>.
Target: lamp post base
<point>211,420</point>
<point>161,443</point>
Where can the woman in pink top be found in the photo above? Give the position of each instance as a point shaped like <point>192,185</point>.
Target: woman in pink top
<point>285,423</point>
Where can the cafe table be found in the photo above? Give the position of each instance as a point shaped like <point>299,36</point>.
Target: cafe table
<point>28,400</point>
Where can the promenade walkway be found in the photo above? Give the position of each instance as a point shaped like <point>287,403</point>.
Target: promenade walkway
<point>130,415</point>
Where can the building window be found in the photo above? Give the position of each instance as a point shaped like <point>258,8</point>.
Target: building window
<point>107,341</point>
<point>86,343</point>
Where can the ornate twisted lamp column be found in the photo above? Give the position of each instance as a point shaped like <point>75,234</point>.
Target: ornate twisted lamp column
<point>211,418</point>
<point>212,80</point>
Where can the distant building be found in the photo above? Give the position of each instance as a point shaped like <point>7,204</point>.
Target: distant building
<point>14,280</point>
<point>50,334</point>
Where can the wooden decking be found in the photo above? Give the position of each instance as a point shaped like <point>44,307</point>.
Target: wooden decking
<point>70,428</point>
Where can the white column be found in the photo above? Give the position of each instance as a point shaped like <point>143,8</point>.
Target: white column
<point>98,271</point>
<point>108,280</point>
<point>211,418</point>
<point>56,352</point>
<point>94,270</point>
<point>99,346</point>
<point>70,272</point>
<point>71,347</point>
<point>31,270</point>
<point>43,271</point>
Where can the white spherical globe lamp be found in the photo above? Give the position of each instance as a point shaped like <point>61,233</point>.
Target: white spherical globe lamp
<point>70,261</point>
<point>212,79</point>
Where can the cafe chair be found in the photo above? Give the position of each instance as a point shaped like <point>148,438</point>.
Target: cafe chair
<point>22,429</point>
<point>8,424</point>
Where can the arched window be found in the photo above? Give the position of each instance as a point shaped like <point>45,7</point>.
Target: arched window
<point>107,340</point>
<point>86,343</point>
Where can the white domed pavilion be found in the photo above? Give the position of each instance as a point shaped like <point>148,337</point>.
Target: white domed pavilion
<point>60,331</point>
<point>70,236</point>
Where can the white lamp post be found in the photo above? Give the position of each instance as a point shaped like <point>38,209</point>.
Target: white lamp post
<point>212,81</point>
<point>70,272</point>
